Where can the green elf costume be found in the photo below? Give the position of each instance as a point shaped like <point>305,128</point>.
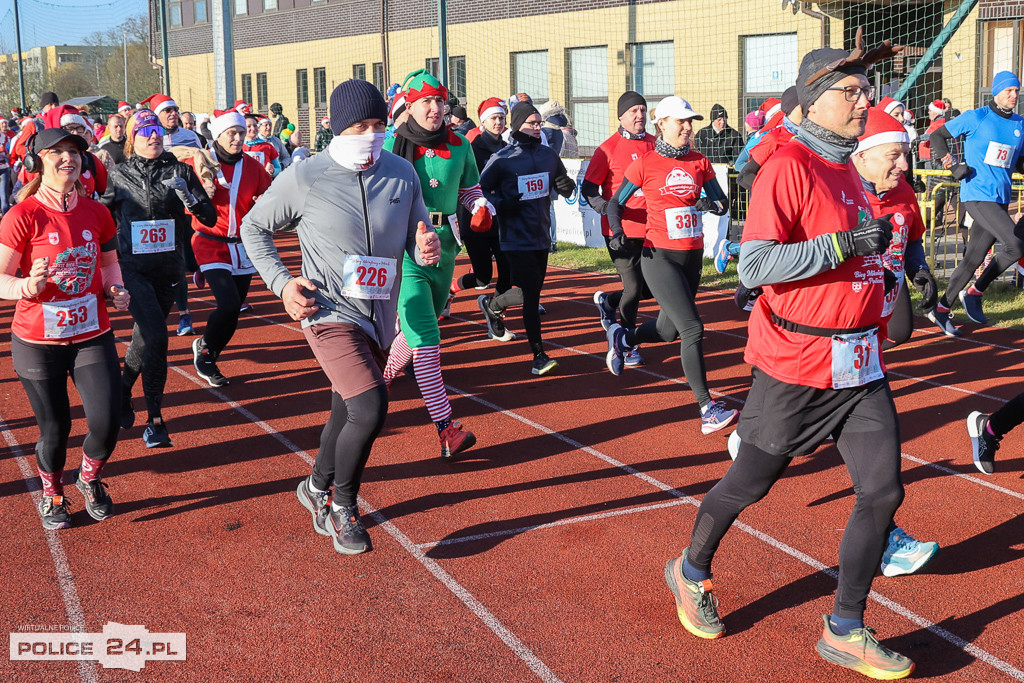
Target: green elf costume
<point>446,166</point>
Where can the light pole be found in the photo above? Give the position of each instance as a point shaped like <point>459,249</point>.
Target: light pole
<point>124,38</point>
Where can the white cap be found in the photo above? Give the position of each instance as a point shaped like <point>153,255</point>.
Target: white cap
<point>676,108</point>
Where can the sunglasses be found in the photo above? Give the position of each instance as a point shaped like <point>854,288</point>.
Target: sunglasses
<point>147,131</point>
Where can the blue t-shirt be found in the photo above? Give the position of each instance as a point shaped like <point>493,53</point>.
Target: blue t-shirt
<point>992,146</point>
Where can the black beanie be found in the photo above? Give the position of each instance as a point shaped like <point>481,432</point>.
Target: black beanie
<point>48,98</point>
<point>718,111</point>
<point>813,62</point>
<point>459,112</point>
<point>789,100</point>
<point>355,100</point>
<point>520,113</point>
<point>628,100</point>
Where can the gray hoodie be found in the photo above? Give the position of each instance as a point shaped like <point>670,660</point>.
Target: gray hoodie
<point>338,212</point>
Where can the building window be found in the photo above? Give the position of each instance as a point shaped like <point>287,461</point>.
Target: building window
<point>457,77</point>
<point>200,11</point>
<point>320,86</point>
<point>302,87</point>
<point>431,67</point>
<point>378,76</point>
<point>241,6</point>
<point>769,64</point>
<point>269,4</point>
<point>359,71</point>
<point>652,72</point>
<point>261,91</point>
<point>1001,51</point>
<point>530,74</point>
<point>247,87</point>
<point>175,9</point>
<point>587,95</point>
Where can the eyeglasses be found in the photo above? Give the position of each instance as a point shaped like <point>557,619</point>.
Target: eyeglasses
<point>532,124</point>
<point>852,93</point>
<point>147,131</point>
<point>174,109</point>
<point>75,130</point>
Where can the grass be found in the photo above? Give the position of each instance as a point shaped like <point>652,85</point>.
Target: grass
<point>1004,303</point>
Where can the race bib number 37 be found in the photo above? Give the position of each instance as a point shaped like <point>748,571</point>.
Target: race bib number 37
<point>368,277</point>
<point>855,359</point>
<point>683,222</point>
<point>534,186</point>
<point>68,319</point>
<point>152,237</point>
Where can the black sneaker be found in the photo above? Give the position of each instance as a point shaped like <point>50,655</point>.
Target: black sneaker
<point>54,512</point>
<point>316,503</point>
<point>127,411</point>
<point>97,500</point>
<point>973,307</point>
<point>495,320</point>
<point>542,365</point>
<point>205,365</point>
<point>983,444</point>
<point>155,435</point>
<point>350,538</point>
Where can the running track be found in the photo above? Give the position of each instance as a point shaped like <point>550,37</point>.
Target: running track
<point>539,554</point>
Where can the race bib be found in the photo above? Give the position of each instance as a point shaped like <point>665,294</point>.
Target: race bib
<point>258,156</point>
<point>889,305</point>
<point>368,277</point>
<point>151,237</point>
<point>998,155</point>
<point>67,319</point>
<point>534,186</point>
<point>683,223</point>
<point>243,258</point>
<point>454,222</point>
<point>855,359</point>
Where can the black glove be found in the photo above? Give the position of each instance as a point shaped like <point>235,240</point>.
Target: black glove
<point>919,186</point>
<point>890,280</point>
<point>618,242</point>
<point>961,171</point>
<point>925,283</point>
<point>705,204</point>
<point>870,238</point>
<point>564,185</point>
<point>510,205</point>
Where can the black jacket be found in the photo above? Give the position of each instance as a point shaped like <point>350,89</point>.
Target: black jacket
<point>135,192</point>
<point>719,147</point>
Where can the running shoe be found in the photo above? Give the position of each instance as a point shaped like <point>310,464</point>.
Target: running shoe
<point>185,325</point>
<point>97,500</point>
<point>696,604</point>
<point>316,503</point>
<point>542,365</point>
<point>198,279</point>
<point>605,311</point>
<point>347,532</point>
<point>746,297</point>
<point>446,312</point>
<point>940,316</point>
<point>205,366</point>
<point>455,439</point>
<point>717,417</point>
<point>972,307</point>
<point>127,410</point>
<point>633,359</point>
<point>495,320</point>
<point>905,555</point>
<point>246,307</point>
<point>983,443</point>
<point>54,512</point>
<point>541,310</point>
<point>861,651</point>
<point>733,445</point>
<point>155,434</point>
<point>723,257</point>
<point>616,349</point>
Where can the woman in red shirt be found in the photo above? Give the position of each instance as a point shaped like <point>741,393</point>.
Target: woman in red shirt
<point>66,244</point>
<point>672,177</point>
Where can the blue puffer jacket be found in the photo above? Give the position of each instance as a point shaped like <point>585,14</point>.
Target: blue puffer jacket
<point>518,180</point>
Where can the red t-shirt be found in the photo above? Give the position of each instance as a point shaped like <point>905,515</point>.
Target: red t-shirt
<point>254,183</point>
<point>769,144</point>
<point>907,226</point>
<point>608,167</point>
<point>671,187</point>
<point>263,152</point>
<point>799,196</point>
<point>924,149</point>
<point>92,182</point>
<point>72,241</point>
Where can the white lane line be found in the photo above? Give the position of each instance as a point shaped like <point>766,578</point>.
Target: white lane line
<point>967,477</point>
<point>65,578</point>
<point>550,525</point>
<point>890,604</point>
<point>475,606</point>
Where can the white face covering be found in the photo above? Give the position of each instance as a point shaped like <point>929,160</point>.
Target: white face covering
<point>356,152</point>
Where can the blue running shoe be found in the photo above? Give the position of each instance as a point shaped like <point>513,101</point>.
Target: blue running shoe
<point>604,310</point>
<point>633,359</point>
<point>940,316</point>
<point>616,349</point>
<point>972,307</point>
<point>717,417</point>
<point>723,257</point>
<point>905,555</point>
<point>185,324</point>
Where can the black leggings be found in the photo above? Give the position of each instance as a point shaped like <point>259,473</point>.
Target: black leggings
<point>634,288</point>
<point>901,324</point>
<point>147,355</point>
<point>229,291</point>
<point>673,277</point>
<point>873,460</point>
<point>528,270</point>
<point>346,441</point>
<point>481,246</point>
<point>991,223</point>
<point>1008,417</point>
<point>44,370</point>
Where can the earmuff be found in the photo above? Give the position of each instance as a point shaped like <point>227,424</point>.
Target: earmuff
<point>32,162</point>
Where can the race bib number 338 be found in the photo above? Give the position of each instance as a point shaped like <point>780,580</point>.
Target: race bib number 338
<point>683,222</point>
<point>368,277</point>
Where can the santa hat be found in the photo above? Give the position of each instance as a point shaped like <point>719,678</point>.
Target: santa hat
<point>241,107</point>
<point>881,128</point>
<point>490,107</point>
<point>123,106</point>
<point>937,107</point>
<point>222,120</point>
<point>326,119</point>
<point>397,107</point>
<point>71,116</point>
<point>771,107</point>
<point>887,104</point>
<point>158,103</point>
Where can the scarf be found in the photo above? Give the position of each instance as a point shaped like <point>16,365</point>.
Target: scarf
<point>629,136</point>
<point>222,155</point>
<point>525,139</point>
<point>670,152</point>
<point>829,145</point>
<point>1004,113</point>
<point>488,141</point>
<point>411,135</point>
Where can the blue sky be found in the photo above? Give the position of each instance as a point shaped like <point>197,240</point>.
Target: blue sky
<point>62,22</point>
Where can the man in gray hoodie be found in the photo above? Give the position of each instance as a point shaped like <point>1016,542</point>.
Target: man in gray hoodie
<point>358,210</point>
